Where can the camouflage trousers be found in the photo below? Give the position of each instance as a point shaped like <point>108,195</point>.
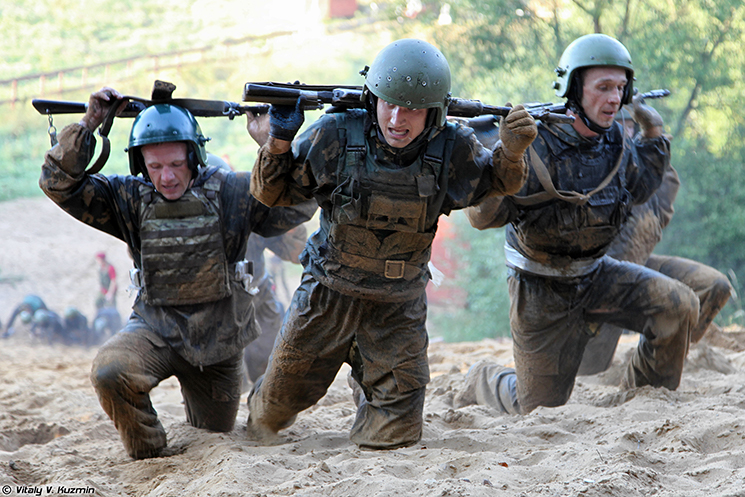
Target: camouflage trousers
<point>385,344</point>
<point>552,319</point>
<point>269,314</point>
<point>713,291</point>
<point>134,361</point>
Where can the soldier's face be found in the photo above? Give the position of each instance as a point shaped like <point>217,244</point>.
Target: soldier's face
<point>602,93</point>
<point>400,125</point>
<point>168,168</point>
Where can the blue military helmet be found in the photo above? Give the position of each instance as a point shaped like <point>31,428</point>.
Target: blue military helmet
<point>162,123</point>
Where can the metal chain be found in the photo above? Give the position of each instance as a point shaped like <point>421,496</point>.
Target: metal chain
<point>52,131</point>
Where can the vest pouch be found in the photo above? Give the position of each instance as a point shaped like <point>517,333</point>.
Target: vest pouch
<point>396,213</point>
<point>182,251</point>
<point>345,209</point>
<point>354,240</point>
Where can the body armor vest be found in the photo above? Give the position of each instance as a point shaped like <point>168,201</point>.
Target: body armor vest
<point>583,229</point>
<point>383,218</point>
<point>182,248</point>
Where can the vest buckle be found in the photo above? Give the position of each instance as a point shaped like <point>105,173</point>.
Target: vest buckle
<point>394,270</point>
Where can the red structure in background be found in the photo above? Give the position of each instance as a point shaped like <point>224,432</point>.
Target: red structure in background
<point>446,258</point>
<point>342,8</point>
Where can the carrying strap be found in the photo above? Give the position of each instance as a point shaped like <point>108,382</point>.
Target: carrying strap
<point>550,190</point>
<point>103,132</point>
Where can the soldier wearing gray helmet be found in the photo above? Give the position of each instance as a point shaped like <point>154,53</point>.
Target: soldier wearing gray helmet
<point>584,180</point>
<point>382,177</point>
<point>186,226</point>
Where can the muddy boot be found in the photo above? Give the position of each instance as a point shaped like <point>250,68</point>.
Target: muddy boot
<point>255,429</point>
<point>489,384</point>
<point>357,393</point>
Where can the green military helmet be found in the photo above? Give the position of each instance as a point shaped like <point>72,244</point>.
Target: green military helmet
<point>26,317</point>
<point>42,317</point>
<point>590,51</point>
<point>413,74</point>
<point>70,312</point>
<point>214,160</point>
<point>161,123</point>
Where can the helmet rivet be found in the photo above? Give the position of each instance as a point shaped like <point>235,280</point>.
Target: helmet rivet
<point>395,69</point>
<point>408,102</point>
<point>424,83</point>
<point>408,78</point>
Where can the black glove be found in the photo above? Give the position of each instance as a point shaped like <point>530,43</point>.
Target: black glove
<point>286,120</point>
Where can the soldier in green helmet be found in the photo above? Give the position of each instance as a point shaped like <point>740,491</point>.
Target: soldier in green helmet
<point>641,232</point>
<point>25,311</point>
<point>382,176</point>
<point>584,180</point>
<point>186,225</point>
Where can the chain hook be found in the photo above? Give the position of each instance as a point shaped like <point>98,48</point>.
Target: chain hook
<point>52,130</point>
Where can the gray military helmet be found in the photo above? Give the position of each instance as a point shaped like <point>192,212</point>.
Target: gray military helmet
<point>162,123</point>
<point>214,160</point>
<point>590,51</point>
<point>411,73</point>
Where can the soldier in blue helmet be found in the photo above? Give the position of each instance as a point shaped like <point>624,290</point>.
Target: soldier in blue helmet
<point>186,225</point>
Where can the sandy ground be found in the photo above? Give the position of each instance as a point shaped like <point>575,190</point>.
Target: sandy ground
<point>55,438</point>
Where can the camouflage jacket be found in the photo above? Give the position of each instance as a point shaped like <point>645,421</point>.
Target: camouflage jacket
<point>311,170</point>
<point>203,334</point>
<point>556,232</point>
<point>643,229</point>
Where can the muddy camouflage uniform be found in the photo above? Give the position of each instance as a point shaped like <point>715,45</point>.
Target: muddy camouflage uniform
<point>635,243</point>
<point>269,310</point>
<point>195,330</point>
<point>562,285</point>
<point>361,299</point>
<point>640,234</point>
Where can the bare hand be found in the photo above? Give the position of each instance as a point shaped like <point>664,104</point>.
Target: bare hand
<point>258,127</point>
<point>99,104</point>
<point>646,117</point>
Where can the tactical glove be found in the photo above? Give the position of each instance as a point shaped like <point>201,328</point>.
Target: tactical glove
<point>286,120</point>
<point>646,117</point>
<point>517,131</point>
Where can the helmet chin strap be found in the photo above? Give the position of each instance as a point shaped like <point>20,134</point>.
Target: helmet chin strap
<point>595,128</point>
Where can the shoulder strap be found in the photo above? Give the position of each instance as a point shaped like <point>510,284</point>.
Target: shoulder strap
<point>550,190</point>
<point>215,178</point>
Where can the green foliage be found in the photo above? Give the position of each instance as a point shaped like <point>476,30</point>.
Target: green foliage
<point>66,34</point>
<point>484,276</point>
